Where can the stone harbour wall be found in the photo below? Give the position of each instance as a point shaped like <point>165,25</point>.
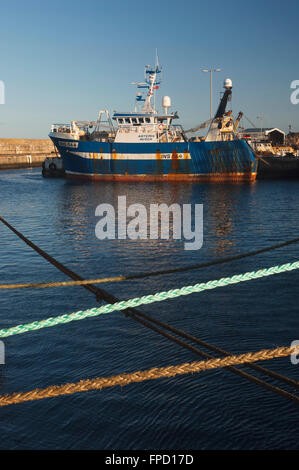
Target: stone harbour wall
<point>22,153</point>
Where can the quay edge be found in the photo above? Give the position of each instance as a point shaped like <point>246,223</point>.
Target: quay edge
<point>24,153</point>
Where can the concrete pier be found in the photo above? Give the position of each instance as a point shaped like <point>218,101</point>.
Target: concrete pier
<point>24,153</point>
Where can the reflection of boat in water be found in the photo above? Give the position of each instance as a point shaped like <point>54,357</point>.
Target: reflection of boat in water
<point>146,145</point>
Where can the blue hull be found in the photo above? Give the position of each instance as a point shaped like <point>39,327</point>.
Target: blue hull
<point>232,160</point>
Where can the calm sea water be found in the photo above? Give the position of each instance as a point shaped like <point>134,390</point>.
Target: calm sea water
<point>210,410</point>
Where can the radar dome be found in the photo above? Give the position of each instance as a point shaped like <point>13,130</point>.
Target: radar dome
<point>166,102</point>
<point>227,83</point>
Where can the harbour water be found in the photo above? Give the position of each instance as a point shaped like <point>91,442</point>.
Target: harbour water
<point>210,410</point>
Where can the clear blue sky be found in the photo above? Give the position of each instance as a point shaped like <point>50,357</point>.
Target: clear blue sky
<point>65,60</point>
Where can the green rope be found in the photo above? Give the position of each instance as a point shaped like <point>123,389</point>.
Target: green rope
<point>148,299</point>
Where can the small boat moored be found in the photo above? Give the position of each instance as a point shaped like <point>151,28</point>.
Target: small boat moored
<point>53,168</point>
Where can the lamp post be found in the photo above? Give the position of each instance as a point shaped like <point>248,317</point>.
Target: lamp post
<point>211,85</point>
<point>261,123</point>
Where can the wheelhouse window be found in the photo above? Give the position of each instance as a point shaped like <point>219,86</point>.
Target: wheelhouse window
<point>128,121</point>
<point>147,120</point>
<point>141,120</point>
<point>120,121</point>
<point>134,120</point>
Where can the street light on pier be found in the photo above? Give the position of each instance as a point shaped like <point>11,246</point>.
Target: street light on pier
<point>261,123</point>
<point>211,93</point>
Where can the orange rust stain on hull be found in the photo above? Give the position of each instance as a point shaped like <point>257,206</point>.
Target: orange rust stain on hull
<point>213,178</point>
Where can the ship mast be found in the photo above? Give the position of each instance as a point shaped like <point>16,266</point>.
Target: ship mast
<point>147,107</point>
<point>150,83</point>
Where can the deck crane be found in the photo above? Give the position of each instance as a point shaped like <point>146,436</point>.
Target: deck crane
<point>237,121</point>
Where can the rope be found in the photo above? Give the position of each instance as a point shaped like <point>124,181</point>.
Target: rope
<point>140,376</point>
<point>148,299</point>
<point>121,277</point>
<point>270,373</point>
<point>142,318</point>
<point>42,285</point>
<point>235,370</point>
<point>49,258</point>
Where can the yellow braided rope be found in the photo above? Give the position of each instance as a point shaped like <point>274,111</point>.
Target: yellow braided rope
<point>42,285</point>
<point>143,274</point>
<point>140,376</point>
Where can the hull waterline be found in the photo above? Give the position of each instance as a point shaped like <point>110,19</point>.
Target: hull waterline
<point>190,161</point>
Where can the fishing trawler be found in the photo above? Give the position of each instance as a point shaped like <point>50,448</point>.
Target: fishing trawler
<point>145,145</point>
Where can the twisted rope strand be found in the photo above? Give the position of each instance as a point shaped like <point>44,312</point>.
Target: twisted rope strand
<point>151,374</point>
<point>148,299</point>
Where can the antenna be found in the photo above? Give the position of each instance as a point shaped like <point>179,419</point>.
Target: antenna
<point>157,60</point>
<point>158,81</point>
